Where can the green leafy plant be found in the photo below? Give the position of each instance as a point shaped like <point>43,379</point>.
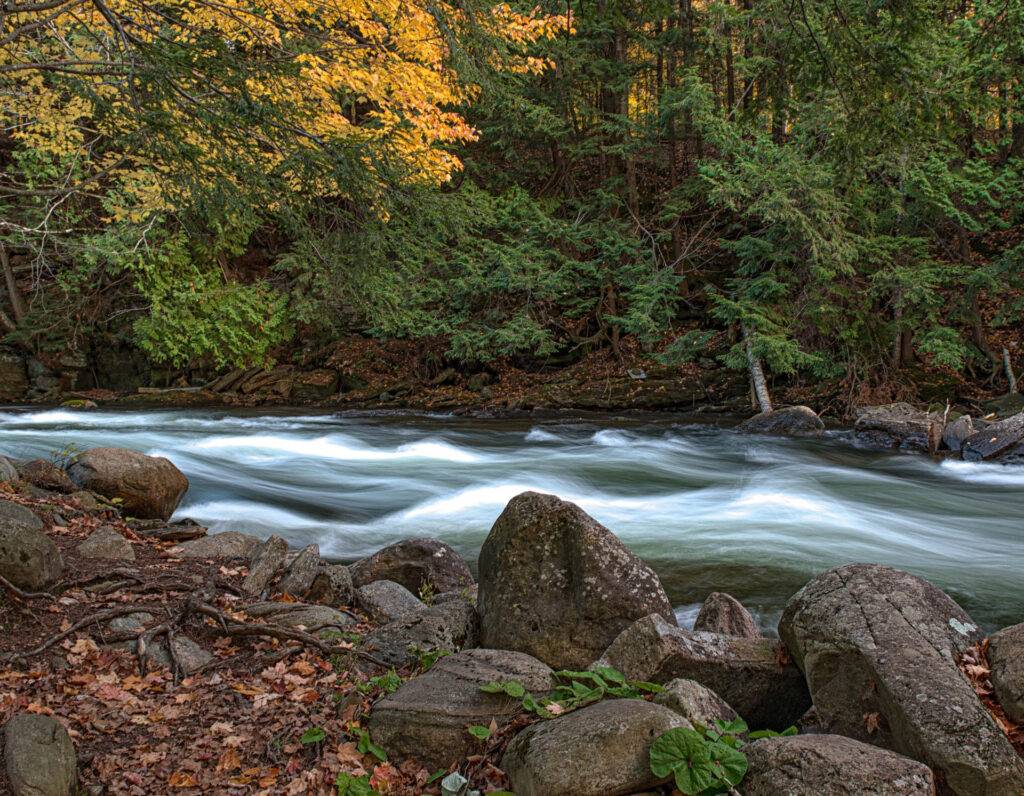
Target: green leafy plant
<point>64,457</point>
<point>428,593</point>
<point>350,785</point>
<point>365,745</point>
<point>479,731</point>
<point>312,735</point>
<point>388,682</point>
<point>428,658</point>
<point>704,761</point>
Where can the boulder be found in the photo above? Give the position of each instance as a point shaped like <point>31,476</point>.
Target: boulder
<point>1004,406</point>
<point>149,486</point>
<point>893,426</point>
<point>608,744</point>
<point>46,475</point>
<point>384,601</point>
<point>299,615</point>
<point>332,585</point>
<point>415,563</point>
<point>695,703</point>
<point>753,675</point>
<point>13,376</point>
<point>722,613</point>
<point>229,544</point>
<point>40,757</point>
<point>956,431</point>
<point>314,385</point>
<point>830,765</point>
<point>879,648</point>
<point>1006,659</point>
<point>995,440</point>
<point>28,557</point>
<point>266,561</point>
<point>558,585</point>
<point>105,542</point>
<point>7,470</point>
<point>451,626</point>
<point>299,576</point>
<point>190,656</point>
<point>792,421</point>
<point>427,717</point>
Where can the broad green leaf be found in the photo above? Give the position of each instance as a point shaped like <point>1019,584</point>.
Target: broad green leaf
<point>313,735</point>
<point>479,731</point>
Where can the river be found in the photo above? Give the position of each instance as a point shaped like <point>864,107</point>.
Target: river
<point>707,507</point>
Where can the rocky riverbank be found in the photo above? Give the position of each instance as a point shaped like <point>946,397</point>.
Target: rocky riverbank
<point>141,656</point>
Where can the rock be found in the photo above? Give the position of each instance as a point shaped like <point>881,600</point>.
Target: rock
<point>1006,659</point>
<point>608,744</point>
<point>190,655</point>
<point>298,578</point>
<point>175,532</point>
<point>149,486</point>
<point>229,544</point>
<point>105,542</point>
<point>299,614</point>
<point>467,595</point>
<point>46,475</point>
<point>7,470</point>
<point>879,648</point>
<point>28,557</point>
<point>558,585</point>
<point>722,613</point>
<point>994,440</point>
<point>695,703</point>
<point>266,561</point>
<point>332,585</point>
<point>893,426</point>
<point>415,563</point>
<point>793,421</point>
<point>131,622</point>
<point>747,673</point>
<point>384,601</point>
<point>86,499</point>
<point>316,385</point>
<point>1004,406</point>
<point>13,376</point>
<point>957,431</point>
<point>451,627</point>
<point>40,757</point>
<point>427,717</point>
<point>830,765</point>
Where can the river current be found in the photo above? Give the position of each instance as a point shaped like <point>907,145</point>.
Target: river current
<point>707,507</point>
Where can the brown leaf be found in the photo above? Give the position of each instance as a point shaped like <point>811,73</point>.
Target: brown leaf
<point>870,721</point>
<point>229,761</point>
<point>182,779</point>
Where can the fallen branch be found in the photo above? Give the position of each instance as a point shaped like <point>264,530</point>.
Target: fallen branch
<point>25,595</point>
<point>102,616</point>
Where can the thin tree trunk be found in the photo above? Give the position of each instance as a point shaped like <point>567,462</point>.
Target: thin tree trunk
<point>757,373</point>
<point>1009,370</point>
<point>17,301</point>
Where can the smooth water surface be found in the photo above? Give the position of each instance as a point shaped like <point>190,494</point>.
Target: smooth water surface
<point>709,508</point>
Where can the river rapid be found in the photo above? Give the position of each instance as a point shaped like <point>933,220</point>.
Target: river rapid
<point>709,508</point>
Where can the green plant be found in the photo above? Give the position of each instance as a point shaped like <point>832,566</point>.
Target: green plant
<point>388,682</point>
<point>312,735</point>
<point>64,457</point>
<point>703,761</point>
<point>365,745</point>
<point>428,593</point>
<point>350,785</point>
<point>428,658</point>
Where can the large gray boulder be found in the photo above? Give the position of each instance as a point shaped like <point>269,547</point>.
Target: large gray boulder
<point>40,757</point>
<point>600,750</point>
<point>957,431</point>
<point>830,765</point>
<point>384,601</point>
<point>1006,659</point>
<point>299,615</point>
<point>266,561</point>
<point>105,542</point>
<point>228,544</point>
<point>46,475</point>
<point>298,578</point>
<point>332,585</point>
<point>558,585</point>
<point>751,674</point>
<point>7,470</point>
<point>695,703</point>
<point>415,563</point>
<point>792,421</point>
<point>722,613</point>
<point>150,487</point>
<point>894,426</point>
<point>426,719</point>
<point>28,557</point>
<point>451,626</point>
<point>996,441</point>
<point>879,648</point>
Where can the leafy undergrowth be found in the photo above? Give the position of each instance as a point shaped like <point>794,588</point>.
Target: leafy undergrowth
<point>265,716</point>
<point>974,665</point>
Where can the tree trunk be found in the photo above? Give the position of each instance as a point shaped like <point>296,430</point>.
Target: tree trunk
<point>757,373</point>
<point>18,305</point>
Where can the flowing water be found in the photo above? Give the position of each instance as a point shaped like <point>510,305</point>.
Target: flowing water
<point>707,507</point>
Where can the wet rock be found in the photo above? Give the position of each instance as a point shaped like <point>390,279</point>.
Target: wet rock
<point>266,561</point>
<point>893,426</point>
<point>426,719</point>
<point>722,613</point>
<point>148,486</point>
<point>695,703</point>
<point>830,765</point>
<point>749,674</point>
<point>608,743</point>
<point>332,585</point>
<point>298,578</point>
<point>956,431</point>
<point>384,601</point>
<point>558,585</point>
<point>46,475</point>
<point>229,544</point>
<point>994,440</point>
<point>879,648</point>
<point>40,757</point>
<point>792,421</point>
<point>1006,659</point>
<point>415,563</point>
<point>105,542</point>
<point>299,615</point>
<point>7,470</point>
<point>28,557</point>
<point>448,627</point>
